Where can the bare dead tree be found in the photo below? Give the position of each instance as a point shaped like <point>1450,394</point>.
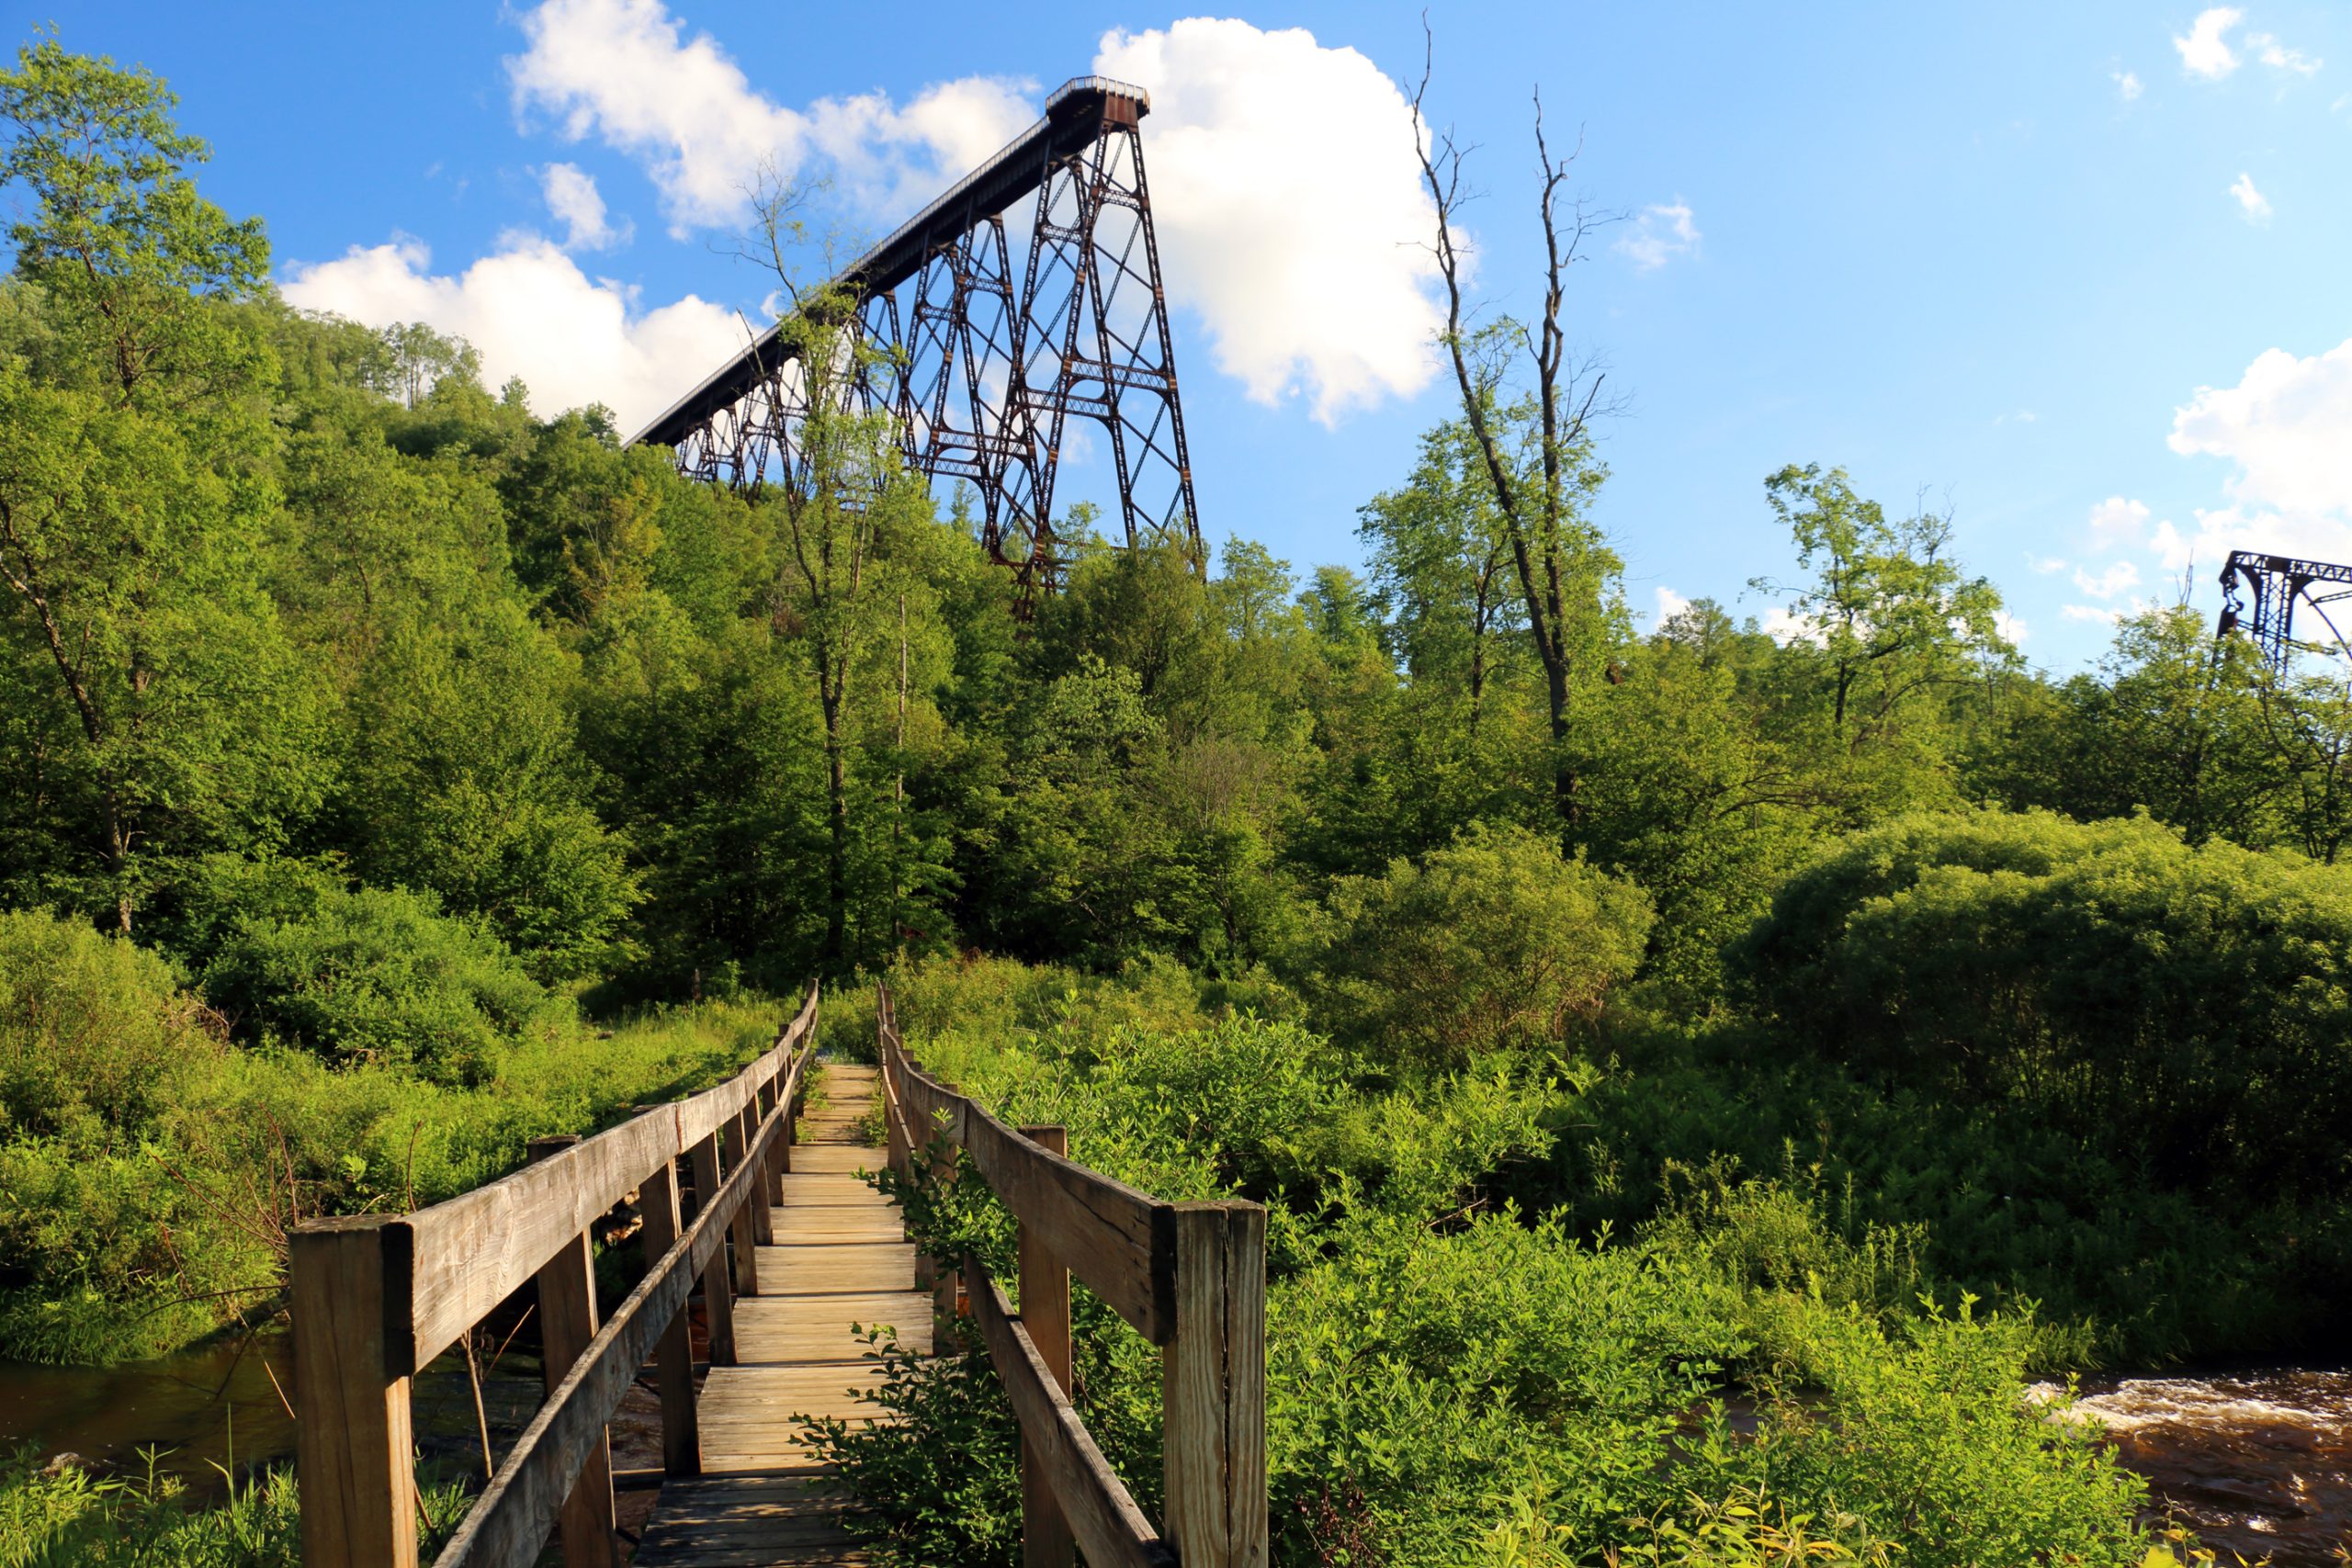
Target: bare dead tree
<point>1548,544</point>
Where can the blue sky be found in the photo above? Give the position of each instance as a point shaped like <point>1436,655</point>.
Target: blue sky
<point>2077,272</point>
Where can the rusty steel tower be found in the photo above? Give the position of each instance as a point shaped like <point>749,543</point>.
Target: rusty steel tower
<point>992,337</point>
<point>2274,586</point>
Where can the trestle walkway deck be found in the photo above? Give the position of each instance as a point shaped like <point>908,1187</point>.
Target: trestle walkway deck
<point>842,1263</point>
<point>789,1250</point>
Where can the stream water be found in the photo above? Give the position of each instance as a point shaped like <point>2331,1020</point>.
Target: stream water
<point>219,1407</point>
<point>2257,1462</point>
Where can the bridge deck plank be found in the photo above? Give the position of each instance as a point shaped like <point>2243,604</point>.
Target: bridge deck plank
<point>841,1264</point>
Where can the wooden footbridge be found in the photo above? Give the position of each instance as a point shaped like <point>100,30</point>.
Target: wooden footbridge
<point>760,1211</point>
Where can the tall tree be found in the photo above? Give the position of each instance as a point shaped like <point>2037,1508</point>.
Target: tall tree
<point>1534,437</point>
<point>851,519</point>
<point>1884,641</point>
<point>129,517</point>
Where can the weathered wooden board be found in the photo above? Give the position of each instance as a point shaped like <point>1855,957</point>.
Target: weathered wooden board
<point>837,1160</point>
<point>825,1328</point>
<point>830,1269</point>
<point>745,1521</point>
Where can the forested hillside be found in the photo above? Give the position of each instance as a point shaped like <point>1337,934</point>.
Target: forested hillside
<point>391,770</point>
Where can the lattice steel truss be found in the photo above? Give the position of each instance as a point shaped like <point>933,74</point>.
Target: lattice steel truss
<point>2259,594</point>
<point>982,368</point>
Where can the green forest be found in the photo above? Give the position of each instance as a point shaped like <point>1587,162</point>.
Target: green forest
<point>1697,1078</point>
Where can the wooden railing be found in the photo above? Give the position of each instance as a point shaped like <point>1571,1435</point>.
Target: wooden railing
<point>1190,1277</point>
<point>378,1296</point>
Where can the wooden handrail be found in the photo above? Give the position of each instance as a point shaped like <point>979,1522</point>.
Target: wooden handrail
<point>510,1521</point>
<point>375,1297</point>
<point>1121,1242</point>
<point>1103,1514</point>
<point>1190,1277</point>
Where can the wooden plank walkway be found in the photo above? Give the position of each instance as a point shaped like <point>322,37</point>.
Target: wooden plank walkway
<point>841,1257</point>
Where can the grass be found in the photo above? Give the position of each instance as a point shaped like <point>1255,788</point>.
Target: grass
<point>61,1516</point>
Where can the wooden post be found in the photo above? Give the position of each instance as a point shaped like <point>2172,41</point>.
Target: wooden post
<point>893,1130</point>
<point>943,1282</point>
<point>735,1130</point>
<point>657,1207</point>
<point>717,1300</point>
<point>1045,1539</point>
<point>567,1284</point>
<point>354,1453</point>
<point>764,1198</point>
<point>1213,1389</point>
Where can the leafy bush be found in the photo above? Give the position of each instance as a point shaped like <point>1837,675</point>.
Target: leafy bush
<point>377,974</point>
<point>1496,941</point>
<point>148,1169</point>
<point>99,1245</point>
<point>2188,1006</point>
<point>1452,1387</point>
<point>92,1028</point>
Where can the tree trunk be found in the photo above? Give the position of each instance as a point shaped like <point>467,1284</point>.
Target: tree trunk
<point>837,854</point>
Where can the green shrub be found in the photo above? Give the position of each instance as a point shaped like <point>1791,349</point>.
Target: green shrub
<point>378,975</point>
<point>148,1168</point>
<point>1449,1388</point>
<point>102,1242</point>
<point>2189,1006</point>
<point>1494,942</point>
<point>92,1028</point>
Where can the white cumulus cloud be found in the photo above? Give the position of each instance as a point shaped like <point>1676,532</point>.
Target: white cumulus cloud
<point>2044,565</point>
<point>1659,236</point>
<point>2010,627</point>
<point>2105,613</point>
<point>1670,605</point>
<point>1289,209</point>
<point>2286,428</point>
<point>2204,48</point>
<point>573,197</point>
<point>2255,205</point>
<point>626,72</point>
<point>532,312</point>
<point>2120,577</point>
<point>1285,196</point>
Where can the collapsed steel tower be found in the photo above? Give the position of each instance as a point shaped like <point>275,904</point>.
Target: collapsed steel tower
<point>984,364</point>
<point>2274,584</point>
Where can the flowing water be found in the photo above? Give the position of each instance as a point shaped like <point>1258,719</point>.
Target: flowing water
<point>2259,1463</point>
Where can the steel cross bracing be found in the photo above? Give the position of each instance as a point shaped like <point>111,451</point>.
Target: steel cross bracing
<point>2259,597</point>
<point>983,367</point>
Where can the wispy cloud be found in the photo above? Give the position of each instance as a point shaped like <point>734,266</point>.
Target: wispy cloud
<point>2127,85</point>
<point>2120,577</point>
<point>2118,521</point>
<point>2255,205</point>
<point>2205,51</point>
<point>1659,236</point>
<point>571,195</point>
<point>2278,57</point>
